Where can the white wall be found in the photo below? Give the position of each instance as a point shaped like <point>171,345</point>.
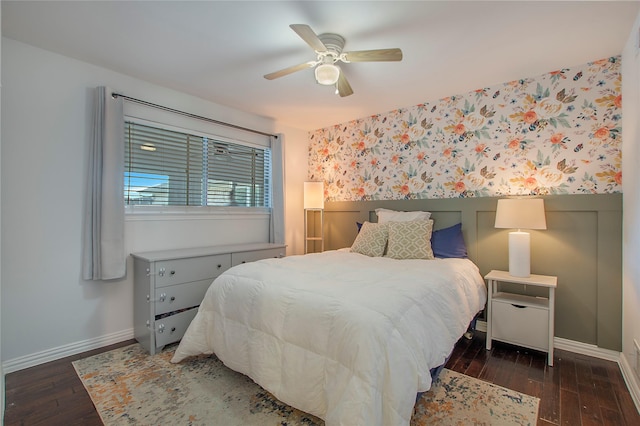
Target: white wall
<point>47,309</point>
<point>296,166</point>
<point>2,396</point>
<point>631,207</point>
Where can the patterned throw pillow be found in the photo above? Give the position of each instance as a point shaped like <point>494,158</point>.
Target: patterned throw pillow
<point>371,240</point>
<point>410,240</point>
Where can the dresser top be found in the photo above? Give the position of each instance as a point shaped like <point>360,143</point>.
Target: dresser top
<point>153,256</point>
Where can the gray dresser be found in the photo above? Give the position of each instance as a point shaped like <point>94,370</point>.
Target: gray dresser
<point>170,284</point>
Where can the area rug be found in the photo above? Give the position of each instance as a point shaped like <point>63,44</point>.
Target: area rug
<point>130,387</point>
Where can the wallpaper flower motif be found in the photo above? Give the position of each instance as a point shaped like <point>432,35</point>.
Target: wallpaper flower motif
<point>559,133</point>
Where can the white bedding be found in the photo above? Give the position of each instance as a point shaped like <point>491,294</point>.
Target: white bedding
<point>345,337</point>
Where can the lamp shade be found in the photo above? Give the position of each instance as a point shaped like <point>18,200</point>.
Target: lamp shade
<point>327,74</point>
<point>313,195</point>
<point>521,213</point>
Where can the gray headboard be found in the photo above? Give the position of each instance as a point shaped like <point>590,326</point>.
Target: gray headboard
<point>582,246</point>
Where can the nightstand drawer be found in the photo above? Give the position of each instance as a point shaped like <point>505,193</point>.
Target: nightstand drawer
<point>520,324</point>
<point>180,296</point>
<point>171,328</point>
<point>178,271</point>
<point>252,256</point>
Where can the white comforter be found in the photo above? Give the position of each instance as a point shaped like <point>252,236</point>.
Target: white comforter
<point>345,337</point>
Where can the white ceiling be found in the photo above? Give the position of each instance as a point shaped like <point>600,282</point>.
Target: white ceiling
<point>220,50</point>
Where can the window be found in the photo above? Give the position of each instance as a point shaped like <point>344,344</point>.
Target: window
<point>170,168</point>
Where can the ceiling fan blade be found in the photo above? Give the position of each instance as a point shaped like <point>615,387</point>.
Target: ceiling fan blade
<point>289,70</point>
<point>378,55</point>
<point>344,88</point>
<point>308,35</point>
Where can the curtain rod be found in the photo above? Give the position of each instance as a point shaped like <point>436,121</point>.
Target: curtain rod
<point>188,114</point>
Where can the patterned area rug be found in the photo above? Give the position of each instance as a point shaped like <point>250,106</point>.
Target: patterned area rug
<point>129,387</point>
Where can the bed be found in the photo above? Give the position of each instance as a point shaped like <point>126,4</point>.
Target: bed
<point>345,336</point>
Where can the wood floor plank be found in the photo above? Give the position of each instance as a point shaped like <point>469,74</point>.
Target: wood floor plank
<point>477,364</point>
<point>611,417</point>
<point>589,407</point>
<point>569,408</point>
<point>568,380</point>
<point>605,394</point>
<point>627,407</point>
<point>538,364</point>
<point>550,402</point>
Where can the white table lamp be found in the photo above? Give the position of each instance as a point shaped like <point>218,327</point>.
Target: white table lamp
<point>520,213</point>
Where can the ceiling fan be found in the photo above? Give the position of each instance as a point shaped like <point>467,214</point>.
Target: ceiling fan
<point>328,48</point>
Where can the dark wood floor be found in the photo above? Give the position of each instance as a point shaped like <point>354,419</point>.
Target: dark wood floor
<point>577,390</point>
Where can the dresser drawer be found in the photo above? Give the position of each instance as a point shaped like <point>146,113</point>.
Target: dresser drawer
<point>180,296</point>
<point>171,328</point>
<point>170,272</point>
<point>520,324</point>
<point>252,256</point>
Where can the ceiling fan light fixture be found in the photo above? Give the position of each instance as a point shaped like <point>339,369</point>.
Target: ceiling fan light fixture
<point>327,74</point>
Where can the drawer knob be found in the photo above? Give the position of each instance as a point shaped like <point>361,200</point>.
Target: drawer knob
<point>173,272</point>
<point>219,266</point>
<point>172,298</point>
<point>173,329</point>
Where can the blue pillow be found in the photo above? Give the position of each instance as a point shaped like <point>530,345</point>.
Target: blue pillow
<point>448,242</point>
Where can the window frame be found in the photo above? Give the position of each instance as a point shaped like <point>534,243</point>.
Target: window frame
<point>133,211</point>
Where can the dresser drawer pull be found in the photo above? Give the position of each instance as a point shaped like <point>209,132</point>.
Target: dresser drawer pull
<point>518,306</point>
<point>219,266</point>
<point>173,298</point>
<point>173,272</point>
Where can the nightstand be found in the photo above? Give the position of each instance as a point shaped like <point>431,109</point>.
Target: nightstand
<point>520,319</point>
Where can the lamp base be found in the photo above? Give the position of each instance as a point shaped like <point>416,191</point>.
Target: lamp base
<point>519,254</point>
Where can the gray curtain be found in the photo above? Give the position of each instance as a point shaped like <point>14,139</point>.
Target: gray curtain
<point>103,235</point>
<point>276,234</point>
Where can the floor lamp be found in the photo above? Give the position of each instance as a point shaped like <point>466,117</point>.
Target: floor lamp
<point>313,201</point>
<point>520,213</point>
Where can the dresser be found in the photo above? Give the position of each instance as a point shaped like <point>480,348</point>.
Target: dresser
<point>170,284</point>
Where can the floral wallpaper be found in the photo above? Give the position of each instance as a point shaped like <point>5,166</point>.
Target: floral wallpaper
<point>559,133</point>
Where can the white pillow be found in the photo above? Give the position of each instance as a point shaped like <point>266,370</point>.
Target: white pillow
<point>410,240</point>
<point>385,215</point>
<point>371,240</point>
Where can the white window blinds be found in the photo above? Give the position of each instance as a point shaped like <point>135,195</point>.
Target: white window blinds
<point>170,168</point>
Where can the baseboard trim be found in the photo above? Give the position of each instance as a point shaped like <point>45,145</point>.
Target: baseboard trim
<point>585,349</point>
<point>59,352</point>
<point>630,379</point>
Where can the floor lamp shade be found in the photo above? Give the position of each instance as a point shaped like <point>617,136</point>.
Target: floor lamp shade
<point>520,213</point>
<point>313,195</point>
